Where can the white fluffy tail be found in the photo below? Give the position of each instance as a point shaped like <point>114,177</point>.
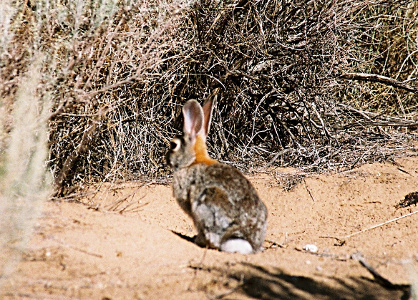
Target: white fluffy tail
<point>237,245</point>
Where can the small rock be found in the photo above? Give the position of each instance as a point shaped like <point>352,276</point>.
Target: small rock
<point>310,248</point>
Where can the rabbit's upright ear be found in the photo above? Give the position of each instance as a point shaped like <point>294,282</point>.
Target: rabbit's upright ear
<point>207,117</point>
<point>193,118</point>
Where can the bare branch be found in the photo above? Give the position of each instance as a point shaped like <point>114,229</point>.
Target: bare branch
<point>380,79</point>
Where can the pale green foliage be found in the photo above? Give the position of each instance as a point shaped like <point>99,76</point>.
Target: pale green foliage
<point>24,181</point>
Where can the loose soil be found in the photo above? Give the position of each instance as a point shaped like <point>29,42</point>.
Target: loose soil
<point>132,241</point>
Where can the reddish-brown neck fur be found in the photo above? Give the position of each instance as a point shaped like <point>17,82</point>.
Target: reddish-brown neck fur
<point>202,156</point>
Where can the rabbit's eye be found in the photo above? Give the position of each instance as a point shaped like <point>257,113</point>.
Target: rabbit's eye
<point>175,145</point>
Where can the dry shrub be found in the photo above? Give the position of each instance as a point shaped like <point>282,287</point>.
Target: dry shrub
<point>386,44</point>
<point>120,71</point>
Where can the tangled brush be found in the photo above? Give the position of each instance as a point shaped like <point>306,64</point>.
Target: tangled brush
<point>316,84</point>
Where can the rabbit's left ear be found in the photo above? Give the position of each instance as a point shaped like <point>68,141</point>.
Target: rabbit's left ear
<point>193,118</point>
<point>207,117</point>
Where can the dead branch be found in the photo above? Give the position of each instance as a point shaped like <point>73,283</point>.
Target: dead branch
<point>71,161</point>
<point>380,79</point>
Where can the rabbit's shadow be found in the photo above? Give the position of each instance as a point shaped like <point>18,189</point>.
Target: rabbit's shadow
<point>185,237</point>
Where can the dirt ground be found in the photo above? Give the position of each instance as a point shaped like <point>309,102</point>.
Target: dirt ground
<point>132,241</point>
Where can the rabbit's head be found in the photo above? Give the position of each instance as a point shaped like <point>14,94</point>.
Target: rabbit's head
<point>190,147</point>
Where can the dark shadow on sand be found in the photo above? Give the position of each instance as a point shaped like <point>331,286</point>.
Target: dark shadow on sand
<point>272,283</point>
<point>184,237</point>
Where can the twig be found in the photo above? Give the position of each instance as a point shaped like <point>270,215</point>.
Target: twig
<point>309,192</point>
<point>380,225</point>
<point>323,254</point>
<point>75,248</point>
<point>342,241</point>
<point>273,243</point>
<point>280,153</point>
<point>196,268</point>
<point>380,79</point>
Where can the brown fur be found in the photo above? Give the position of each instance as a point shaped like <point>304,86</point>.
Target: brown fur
<point>202,156</point>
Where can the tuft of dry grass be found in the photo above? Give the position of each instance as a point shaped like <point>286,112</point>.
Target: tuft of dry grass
<point>24,180</point>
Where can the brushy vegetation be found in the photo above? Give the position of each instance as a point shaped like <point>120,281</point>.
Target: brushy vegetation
<point>316,84</point>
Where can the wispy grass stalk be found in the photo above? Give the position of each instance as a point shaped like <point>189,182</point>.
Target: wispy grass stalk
<point>24,180</point>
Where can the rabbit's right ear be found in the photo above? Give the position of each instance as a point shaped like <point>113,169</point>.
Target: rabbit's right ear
<point>193,118</point>
<point>207,118</point>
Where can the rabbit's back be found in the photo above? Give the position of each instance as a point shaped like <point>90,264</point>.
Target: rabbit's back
<point>222,203</point>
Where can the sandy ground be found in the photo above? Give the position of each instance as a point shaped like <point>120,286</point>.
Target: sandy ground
<point>132,241</point>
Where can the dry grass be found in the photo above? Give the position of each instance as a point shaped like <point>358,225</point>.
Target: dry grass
<point>118,73</point>
<point>24,181</point>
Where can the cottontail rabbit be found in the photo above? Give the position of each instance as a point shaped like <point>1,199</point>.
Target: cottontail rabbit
<point>223,204</point>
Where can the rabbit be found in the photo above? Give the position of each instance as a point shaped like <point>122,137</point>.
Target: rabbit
<point>224,206</point>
